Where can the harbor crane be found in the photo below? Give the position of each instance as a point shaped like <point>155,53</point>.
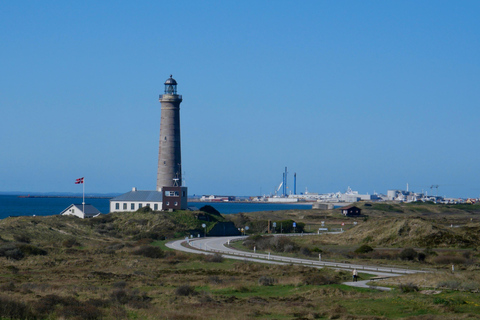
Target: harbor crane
<point>436,187</point>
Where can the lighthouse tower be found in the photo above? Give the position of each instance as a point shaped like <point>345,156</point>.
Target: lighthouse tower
<point>169,172</point>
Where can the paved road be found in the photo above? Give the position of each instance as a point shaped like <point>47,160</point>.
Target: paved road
<point>218,245</point>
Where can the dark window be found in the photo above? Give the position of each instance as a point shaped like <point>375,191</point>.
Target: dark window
<point>124,206</point>
<point>132,206</point>
<point>117,206</point>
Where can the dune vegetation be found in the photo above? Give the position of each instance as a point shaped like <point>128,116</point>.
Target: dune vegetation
<point>116,266</point>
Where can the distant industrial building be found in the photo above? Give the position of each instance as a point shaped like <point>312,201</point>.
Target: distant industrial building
<point>215,198</point>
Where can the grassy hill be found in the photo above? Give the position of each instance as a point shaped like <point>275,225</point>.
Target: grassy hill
<point>117,267</point>
<point>410,232</point>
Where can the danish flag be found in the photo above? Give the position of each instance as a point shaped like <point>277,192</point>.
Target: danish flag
<point>79,180</point>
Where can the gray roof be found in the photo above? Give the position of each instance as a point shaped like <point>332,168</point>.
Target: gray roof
<point>140,196</point>
<point>89,209</point>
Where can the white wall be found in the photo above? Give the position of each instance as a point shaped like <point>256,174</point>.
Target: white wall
<point>136,205</point>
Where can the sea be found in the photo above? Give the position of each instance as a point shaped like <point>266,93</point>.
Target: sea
<point>13,205</point>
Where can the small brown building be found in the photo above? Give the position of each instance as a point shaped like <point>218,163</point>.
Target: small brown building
<point>351,211</point>
<point>174,198</point>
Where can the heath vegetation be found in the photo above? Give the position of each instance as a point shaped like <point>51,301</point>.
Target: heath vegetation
<point>116,266</point>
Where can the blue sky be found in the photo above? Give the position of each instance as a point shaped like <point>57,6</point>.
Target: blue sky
<point>367,94</point>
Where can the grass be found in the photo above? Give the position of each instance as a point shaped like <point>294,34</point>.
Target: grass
<point>90,270</point>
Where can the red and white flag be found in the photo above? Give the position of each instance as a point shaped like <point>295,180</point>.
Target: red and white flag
<point>79,180</point>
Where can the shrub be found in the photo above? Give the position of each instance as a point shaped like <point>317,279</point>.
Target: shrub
<point>145,209</point>
<point>382,254</point>
<point>305,251</point>
<point>150,252</point>
<point>408,287</point>
<point>185,290</point>
<point>80,312</point>
<point>421,256</point>
<point>29,250</point>
<point>10,251</point>
<point>134,298</point>
<point>449,259</point>
<point>430,252</point>
<point>70,242</point>
<point>13,269</point>
<point>215,280</point>
<point>319,279</point>
<point>21,238</point>
<point>364,248</point>
<point>367,239</point>
<point>408,254</point>
<point>266,281</point>
<point>7,286</point>
<point>10,309</point>
<point>450,284</point>
<point>210,209</point>
<point>217,257</point>
<point>120,284</point>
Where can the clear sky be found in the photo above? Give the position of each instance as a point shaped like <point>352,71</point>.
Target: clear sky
<point>367,94</point>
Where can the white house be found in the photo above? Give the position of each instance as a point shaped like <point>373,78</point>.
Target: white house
<point>81,211</point>
<point>135,199</point>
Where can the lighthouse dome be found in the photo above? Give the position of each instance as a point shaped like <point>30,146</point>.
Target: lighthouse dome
<point>170,81</point>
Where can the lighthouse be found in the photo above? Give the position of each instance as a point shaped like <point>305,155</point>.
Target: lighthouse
<point>170,194</point>
<point>169,172</point>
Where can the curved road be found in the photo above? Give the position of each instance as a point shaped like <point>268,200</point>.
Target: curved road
<point>217,245</point>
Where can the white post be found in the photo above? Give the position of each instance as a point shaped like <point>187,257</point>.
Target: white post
<point>83,202</point>
<point>319,257</point>
<point>269,256</point>
<point>254,249</point>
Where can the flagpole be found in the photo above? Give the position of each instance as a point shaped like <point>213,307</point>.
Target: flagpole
<point>83,202</point>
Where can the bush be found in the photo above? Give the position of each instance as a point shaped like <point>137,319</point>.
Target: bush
<point>320,279</point>
<point>133,298</point>
<point>266,281</point>
<point>10,251</point>
<point>210,209</point>
<point>215,280</point>
<point>21,238</point>
<point>408,254</point>
<point>449,259</point>
<point>450,284</point>
<point>120,284</point>
<point>10,309</point>
<point>364,248</point>
<point>150,252</point>
<point>217,257</point>
<point>409,287</point>
<point>305,251</point>
<point>13,269</point>
<point>421,256</point>
<point>80,312</point>
<point>29,250</point>
<point>185,290</point>
<point>145,209</point>
<point>70,242</point>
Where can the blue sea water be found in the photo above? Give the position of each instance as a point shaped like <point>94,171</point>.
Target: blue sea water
<point>12,205</point>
